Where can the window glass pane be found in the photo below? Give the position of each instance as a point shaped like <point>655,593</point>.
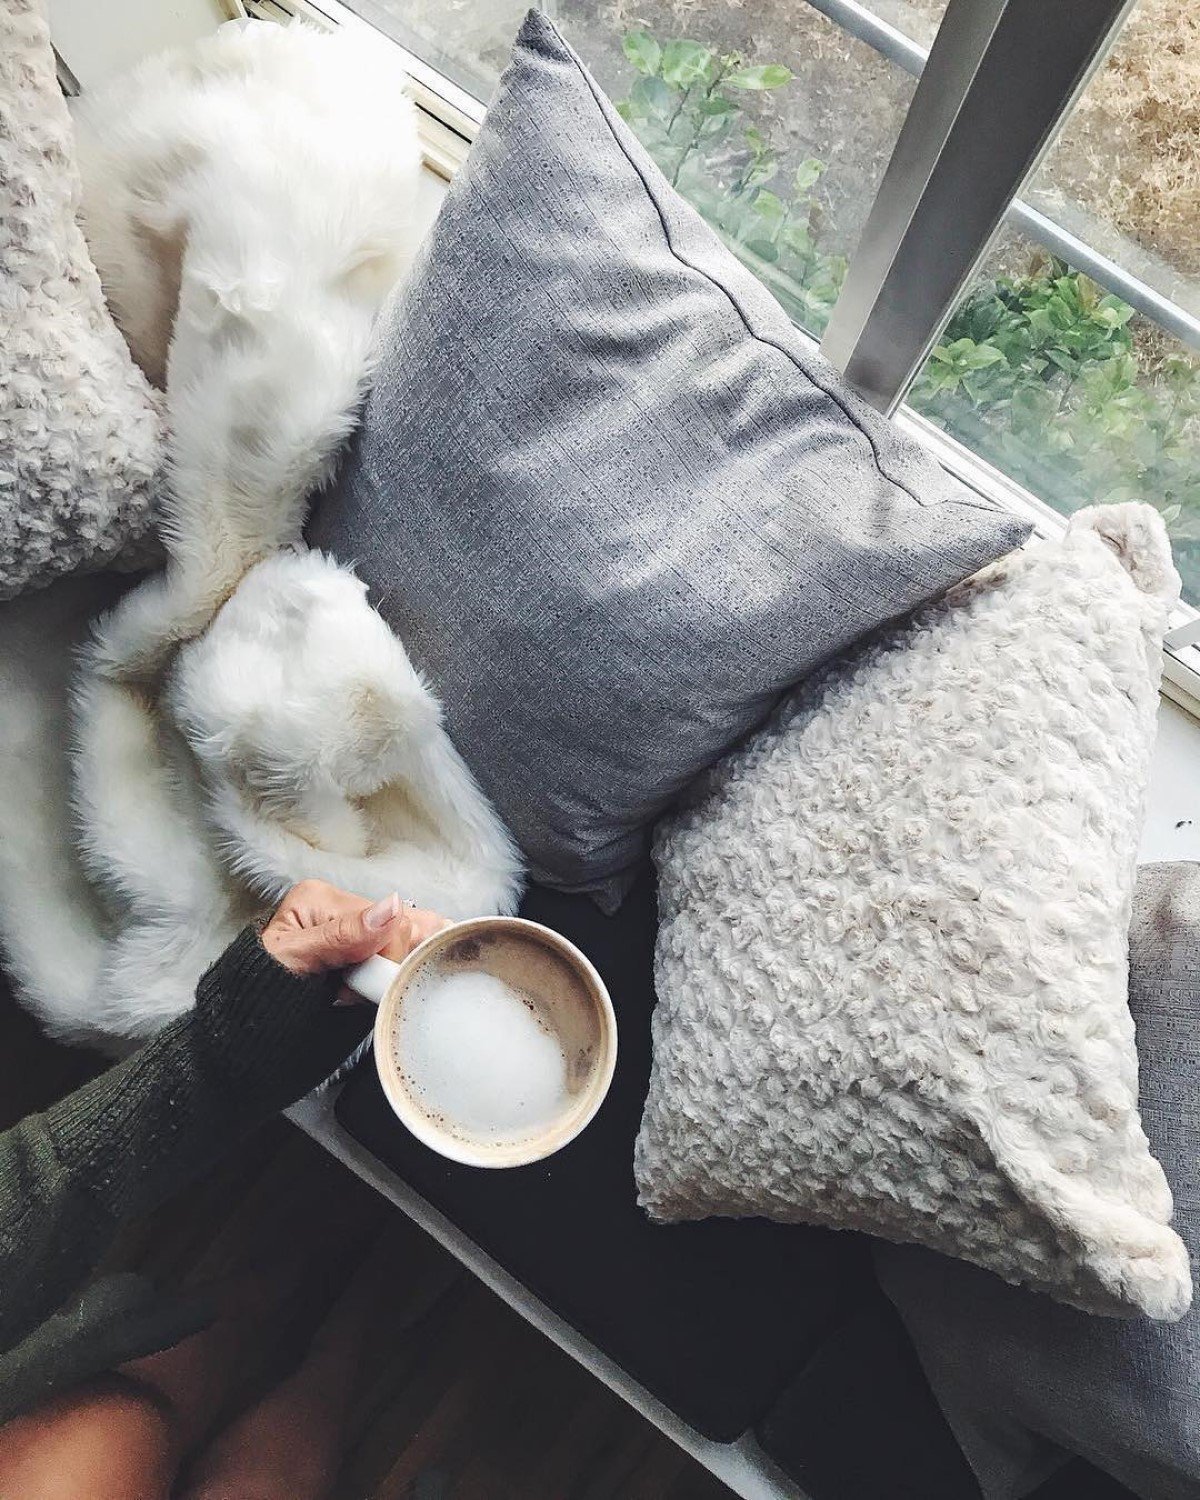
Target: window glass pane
<point>1124,174</point>
<point>1050,375</point>
<point>770,118</point>
<point>1073,394</point>
<point>467,40</point>
<point>918,19</point>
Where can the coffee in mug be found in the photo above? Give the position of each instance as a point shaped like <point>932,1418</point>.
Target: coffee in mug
<point>495,1040</point>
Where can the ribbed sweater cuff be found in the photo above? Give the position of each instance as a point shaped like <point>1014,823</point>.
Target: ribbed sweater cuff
<point>263,1021</point>
<point>258,1039</point>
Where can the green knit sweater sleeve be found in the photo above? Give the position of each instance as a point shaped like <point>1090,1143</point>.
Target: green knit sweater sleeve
<point>258,1038</point>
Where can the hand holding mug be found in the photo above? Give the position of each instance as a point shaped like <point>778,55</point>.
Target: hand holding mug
<point>318,927</point>
<point>495,1038</point>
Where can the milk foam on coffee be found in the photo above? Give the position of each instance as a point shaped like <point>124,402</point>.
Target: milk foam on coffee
<point>476,1058</point>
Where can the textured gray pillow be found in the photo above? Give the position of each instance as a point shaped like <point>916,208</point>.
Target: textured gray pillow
<point>80,433</point>
<point>604,493</point>
<point>1023,1381</point>
<point>891,960</point>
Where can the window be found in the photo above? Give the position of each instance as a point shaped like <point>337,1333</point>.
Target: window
<point>754,112</point>
<point>1066,355</point>
<point>1069,391</point>
<point>467,40</point>
<point>1055,376</point>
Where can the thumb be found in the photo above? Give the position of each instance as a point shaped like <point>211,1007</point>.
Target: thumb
<point>353,937</point>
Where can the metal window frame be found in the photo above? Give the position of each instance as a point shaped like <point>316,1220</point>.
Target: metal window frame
<point>999,80</point>
<point>857,20</point>
<point>449,118</point>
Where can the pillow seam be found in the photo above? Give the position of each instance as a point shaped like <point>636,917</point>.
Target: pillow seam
<point>737,307</point>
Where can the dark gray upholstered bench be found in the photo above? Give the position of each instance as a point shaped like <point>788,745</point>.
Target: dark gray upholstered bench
<point>734,1326</point>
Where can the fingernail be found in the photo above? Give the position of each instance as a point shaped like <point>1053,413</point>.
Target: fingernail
<point>376,917</point>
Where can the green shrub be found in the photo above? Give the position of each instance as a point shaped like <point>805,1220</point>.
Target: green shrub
<point>687,107</point>
<point>1040,374</point>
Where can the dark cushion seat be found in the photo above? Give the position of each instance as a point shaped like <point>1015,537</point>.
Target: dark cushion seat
<point>711,1318</point>
<point>860,1419</point>
<point>860,1422</point>
<point>731,1324</point>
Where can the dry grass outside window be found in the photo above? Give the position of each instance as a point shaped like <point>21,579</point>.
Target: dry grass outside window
<point>1131,152</point>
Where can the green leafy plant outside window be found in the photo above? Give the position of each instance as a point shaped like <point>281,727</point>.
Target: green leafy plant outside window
<point>688,109</point>
<point>1039,373</point>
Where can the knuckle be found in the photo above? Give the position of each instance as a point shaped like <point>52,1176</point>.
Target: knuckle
<point>348,928</point>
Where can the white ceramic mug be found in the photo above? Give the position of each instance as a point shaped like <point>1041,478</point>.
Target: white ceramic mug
<point>578,1012</point>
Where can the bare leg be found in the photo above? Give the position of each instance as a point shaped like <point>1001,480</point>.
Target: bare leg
<point>197,1377</point>
<point>108,1440</point>
<point>123,1436</point>
<point>289,1445</point>
<point>192,1381</point>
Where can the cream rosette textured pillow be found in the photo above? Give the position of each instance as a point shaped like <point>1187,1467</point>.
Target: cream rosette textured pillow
<point>81,433</point>
<point>892,958</point>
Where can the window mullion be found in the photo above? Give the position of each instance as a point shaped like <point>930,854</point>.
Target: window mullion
<point>1000,78</point>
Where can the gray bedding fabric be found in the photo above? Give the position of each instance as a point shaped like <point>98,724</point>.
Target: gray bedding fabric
<point>1024,1381</point>
<point>609,499</point>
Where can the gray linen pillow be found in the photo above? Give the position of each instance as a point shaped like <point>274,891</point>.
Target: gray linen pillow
<point>1022,1381</point>
<point>605,494</point>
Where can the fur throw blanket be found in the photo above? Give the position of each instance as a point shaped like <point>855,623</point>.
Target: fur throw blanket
<point>243,719</point>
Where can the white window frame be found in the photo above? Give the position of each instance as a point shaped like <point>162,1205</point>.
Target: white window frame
<point>888,316</point>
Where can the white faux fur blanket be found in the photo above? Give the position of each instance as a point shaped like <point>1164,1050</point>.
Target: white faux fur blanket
<point>244,719</point>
